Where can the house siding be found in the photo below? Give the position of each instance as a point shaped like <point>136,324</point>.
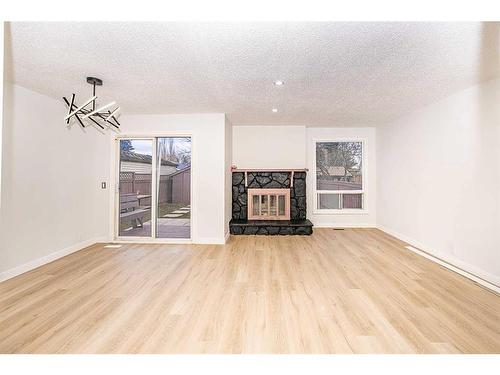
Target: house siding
<point>143,168</point>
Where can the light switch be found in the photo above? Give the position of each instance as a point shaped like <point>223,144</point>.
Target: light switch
<point>103,185</point>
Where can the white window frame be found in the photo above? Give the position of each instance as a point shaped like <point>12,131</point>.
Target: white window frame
<point>364,171</point>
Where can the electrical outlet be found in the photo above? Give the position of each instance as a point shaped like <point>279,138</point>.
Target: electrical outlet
<point>103,185</point>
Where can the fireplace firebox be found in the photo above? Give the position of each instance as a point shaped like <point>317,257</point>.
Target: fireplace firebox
<point>268,204</point>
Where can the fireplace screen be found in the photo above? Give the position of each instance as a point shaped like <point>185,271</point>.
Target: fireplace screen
<point>268,204</point>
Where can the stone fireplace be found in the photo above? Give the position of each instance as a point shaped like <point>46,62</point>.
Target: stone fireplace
<point>269,202</point>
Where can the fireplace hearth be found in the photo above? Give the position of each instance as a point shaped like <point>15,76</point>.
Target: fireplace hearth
<point>269,202</point>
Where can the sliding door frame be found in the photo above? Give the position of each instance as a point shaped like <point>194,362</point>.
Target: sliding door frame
<point>116,183</point>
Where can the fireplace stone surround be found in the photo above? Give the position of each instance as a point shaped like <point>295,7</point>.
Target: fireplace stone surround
<point>293,180</point>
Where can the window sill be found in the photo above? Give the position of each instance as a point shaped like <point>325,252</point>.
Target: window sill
<point>340,212</point>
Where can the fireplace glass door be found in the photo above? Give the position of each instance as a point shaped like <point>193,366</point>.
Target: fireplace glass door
<point>269,204</point>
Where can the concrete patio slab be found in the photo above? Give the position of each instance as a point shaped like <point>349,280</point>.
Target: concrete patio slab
<point>167,228</point>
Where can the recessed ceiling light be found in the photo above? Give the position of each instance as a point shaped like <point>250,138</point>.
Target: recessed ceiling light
<point>279,83</point>
<point>275,110</point>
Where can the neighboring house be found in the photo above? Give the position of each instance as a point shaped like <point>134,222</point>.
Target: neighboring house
<point>140,163</point>
<point>337,173</point>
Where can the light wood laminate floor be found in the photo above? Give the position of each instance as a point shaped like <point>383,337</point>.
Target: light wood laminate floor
<point>338,291</point>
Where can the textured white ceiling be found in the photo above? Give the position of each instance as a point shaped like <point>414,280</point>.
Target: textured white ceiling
<point>336,74</point>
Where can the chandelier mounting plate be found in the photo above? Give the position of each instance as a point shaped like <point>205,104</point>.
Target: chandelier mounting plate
<point>94,81</point>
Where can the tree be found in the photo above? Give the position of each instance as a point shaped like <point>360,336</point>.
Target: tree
<point>184,151</point>
<point>177,150</point>
<point>339,154</point>
<point>126,145</point>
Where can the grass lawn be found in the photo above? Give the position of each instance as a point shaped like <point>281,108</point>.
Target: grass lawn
<point>167,208</point>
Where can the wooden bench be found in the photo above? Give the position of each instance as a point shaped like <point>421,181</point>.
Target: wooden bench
<point>130,210</point>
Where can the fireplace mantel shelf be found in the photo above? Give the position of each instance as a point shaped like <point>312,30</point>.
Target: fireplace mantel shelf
<point>246,170</point>
<point>269,170</point>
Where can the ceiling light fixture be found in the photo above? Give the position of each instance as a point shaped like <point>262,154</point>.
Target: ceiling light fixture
<point>98,116</point>
<point>275,110</point>
<point>279,83</point>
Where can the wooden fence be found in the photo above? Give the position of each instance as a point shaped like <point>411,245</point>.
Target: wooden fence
<point>352,201</point>
<point>349,201</point>
<point>328,184</point>
<point>175,188</point>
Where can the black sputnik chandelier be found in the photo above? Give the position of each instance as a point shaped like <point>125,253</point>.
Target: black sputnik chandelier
<point>88,115</point>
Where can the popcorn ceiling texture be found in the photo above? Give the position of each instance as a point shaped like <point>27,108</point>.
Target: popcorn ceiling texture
<point>336,74</point>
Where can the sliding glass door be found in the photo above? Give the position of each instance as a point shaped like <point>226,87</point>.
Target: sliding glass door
<point>173,188</point>
<point>135,188</point>
<point>154,199</point>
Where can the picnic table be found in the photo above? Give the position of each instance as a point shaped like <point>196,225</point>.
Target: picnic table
<point>143,197</point>
<point>131,209</point>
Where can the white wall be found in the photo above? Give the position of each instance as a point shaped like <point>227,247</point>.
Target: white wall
<point>52,202</point>
<point>269,146</point>
<point>2,54</point>
<point>208,166</point>
<point>439,179</point>
<point>228,140</point>
<point>367,217</point>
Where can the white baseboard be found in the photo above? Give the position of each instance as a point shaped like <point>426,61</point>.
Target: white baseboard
<point>150,241</point>
<point>342,225</point>
<point>23,268</point>
<point>473,273</point>
<point>210,241</point>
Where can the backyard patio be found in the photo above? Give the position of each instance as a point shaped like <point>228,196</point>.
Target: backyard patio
<point>173,222</point>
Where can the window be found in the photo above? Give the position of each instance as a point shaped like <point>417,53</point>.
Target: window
<point>339,176</point>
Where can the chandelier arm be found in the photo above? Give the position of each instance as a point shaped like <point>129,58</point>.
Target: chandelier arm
<point>111,114</point>
<point>76,115</point>
<point>80,108</point>
<point>95,122</point>
<point>112,124</point>
<point>101,117</point>
<point>80,121</point>
<point>70,107</point>
<point>97,110</point>
<point>117,123</point>
<point>106,119</point>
